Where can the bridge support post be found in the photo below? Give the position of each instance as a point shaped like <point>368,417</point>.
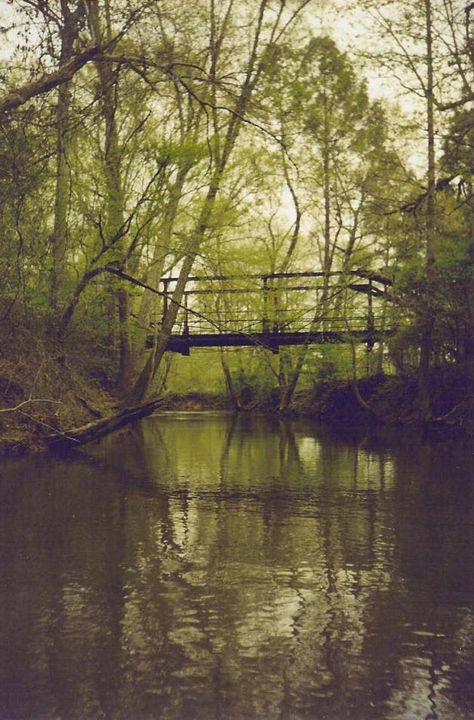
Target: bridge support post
<point>370,318</point>
<point>165,282</point>
<point>265,319</point>
<point>186,315</point>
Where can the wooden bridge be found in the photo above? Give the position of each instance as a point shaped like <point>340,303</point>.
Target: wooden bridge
<point>279,309</point>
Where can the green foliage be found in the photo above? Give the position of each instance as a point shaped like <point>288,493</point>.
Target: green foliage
<point>317,178</point>
<point>180,153</point>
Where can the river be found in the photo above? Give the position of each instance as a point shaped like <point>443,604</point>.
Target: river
<point>201,566</point>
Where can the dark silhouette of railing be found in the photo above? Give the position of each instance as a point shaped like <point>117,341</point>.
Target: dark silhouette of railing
<point>277,309</point>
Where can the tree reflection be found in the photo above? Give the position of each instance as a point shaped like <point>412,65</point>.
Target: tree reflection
<point>228,565</point>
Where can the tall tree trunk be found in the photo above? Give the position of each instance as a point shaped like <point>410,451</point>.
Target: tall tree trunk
<point>228,379</point>
<point>468,325</point>
<point>144,380</point>
<point>252,75</point>
<point>125,353</point>
<point>327,255</point>
<point>108,78</point>
<point>253,72</point>
<point>150,302</point>
<point>292,375</point>
<point>286,372</point>
<point>69,33</point>
<point>423,398</point>
<point>61,200</point>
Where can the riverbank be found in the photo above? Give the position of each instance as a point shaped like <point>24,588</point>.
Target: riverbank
<point>44,388</point>
<point>60,396</point>
<point>388,400</point>
<point>48,389</point>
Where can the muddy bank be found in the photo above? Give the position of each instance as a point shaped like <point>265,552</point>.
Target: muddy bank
<point>391,401</point>
<point>47,387</point>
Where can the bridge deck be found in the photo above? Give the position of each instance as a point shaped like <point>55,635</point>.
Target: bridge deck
<point>271,341</point>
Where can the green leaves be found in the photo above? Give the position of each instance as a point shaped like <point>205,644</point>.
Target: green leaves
<point>179,153</point>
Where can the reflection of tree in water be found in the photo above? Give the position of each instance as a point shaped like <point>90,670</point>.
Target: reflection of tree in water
<point>61,582</point>
<point>265,572</point>
<point>335,618</point>
<point>261,620</point>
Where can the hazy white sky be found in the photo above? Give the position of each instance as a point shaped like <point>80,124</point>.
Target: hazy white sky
<point>331,17</point>
<point>7,39</point>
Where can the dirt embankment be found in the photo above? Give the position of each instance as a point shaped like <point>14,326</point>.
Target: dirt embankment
<point>47,387</point>
<point>391,401</point>
<point>44,389</point>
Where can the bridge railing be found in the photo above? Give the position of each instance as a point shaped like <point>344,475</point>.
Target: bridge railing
<point>279,302</point>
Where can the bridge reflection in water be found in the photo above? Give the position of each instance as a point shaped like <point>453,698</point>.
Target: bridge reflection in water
<point>279,309</point>
<point>205,566</point>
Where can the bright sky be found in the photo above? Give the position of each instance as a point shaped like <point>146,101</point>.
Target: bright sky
<point>331,17</point>
<point>7,38</point>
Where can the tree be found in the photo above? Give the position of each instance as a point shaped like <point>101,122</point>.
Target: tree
<point>344,140</point>
<point>415,50</point>
<point>264,30</point>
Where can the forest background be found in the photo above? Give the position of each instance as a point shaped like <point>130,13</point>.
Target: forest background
<point>150,139</point>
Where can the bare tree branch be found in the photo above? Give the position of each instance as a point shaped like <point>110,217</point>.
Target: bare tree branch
<point>48,81</point>
<point>26,402</point>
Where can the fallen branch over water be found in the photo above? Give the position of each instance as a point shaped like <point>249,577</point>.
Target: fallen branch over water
<point>100,428</point>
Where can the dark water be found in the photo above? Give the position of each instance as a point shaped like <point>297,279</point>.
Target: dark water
<point>202,567</point>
